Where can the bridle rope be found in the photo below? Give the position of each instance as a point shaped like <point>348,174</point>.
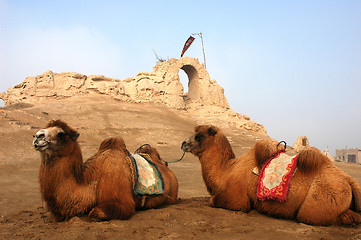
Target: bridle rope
<point>166,162</point>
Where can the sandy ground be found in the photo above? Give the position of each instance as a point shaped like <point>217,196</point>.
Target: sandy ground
<point>23,215</point>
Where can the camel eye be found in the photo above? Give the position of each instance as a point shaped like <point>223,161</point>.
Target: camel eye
<point>199,137</point>
<point>61,135</point>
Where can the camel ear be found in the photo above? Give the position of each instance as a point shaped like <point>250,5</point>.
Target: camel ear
<point>212,131</point>
<point>196,128</point>
<point>74,135</point>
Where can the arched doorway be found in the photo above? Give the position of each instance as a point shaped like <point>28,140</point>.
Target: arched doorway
<point>183,77</point>
<point>190,82</point>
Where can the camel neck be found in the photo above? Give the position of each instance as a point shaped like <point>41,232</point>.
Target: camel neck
<point>67,165</point>
<point>214,166</point>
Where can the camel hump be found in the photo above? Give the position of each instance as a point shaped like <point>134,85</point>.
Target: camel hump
<point>266,149</point>
<point>310,160</point>
<point>151,151</point>
<point>112,143</point>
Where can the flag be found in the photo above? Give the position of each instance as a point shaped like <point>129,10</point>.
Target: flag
<point>187,45</point>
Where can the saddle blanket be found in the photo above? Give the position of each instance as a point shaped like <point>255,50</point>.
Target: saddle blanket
<point>275,177</point>
<point>148,179</point>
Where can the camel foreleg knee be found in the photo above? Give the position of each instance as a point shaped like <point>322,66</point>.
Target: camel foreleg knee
<point>112,210</point>
<point>349,217</point>
<point>221,201</point>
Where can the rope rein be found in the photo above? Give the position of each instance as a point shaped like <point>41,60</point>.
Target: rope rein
<point>166,162</point>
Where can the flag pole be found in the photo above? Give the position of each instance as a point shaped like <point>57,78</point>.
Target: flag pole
<point>204,55</point>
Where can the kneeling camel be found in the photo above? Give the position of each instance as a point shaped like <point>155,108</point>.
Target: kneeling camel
<point>102,187</point>
<point>320,193</point>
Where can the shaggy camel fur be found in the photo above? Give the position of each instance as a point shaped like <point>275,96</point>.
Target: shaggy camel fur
<point>320,193</point>
<point>102,186</point>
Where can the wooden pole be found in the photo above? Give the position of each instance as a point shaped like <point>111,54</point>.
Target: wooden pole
<point>204,54</point>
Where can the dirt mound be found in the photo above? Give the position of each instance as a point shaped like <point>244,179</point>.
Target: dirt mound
<point>205,99</point>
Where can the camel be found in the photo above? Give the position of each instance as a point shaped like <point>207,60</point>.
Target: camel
<point>319,194</point>
<point>102,186</point>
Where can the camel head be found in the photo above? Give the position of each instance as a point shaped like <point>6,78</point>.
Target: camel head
<point>54,137</point>
<point>207,137</point>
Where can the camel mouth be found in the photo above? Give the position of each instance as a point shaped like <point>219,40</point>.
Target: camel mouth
<point>41,141</point>
<point>40,144</point>
<point>186,147</point>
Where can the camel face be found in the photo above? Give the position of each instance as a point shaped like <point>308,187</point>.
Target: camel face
<point>191,144</point>
<point>195,143</point>
<point>48,139</point>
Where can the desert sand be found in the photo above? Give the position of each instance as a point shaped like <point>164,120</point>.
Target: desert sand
<point>24,216</point>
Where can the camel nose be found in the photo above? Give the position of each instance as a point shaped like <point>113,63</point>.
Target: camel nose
<point>35,143</point>
<point>40,139</point>
<point>184,146</point>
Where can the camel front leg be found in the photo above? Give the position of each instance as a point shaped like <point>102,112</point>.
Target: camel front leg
<point>211,201</point>
<point>233,196</point>
<point>75,200</point>
<point>231,201</point>
<point>115,209</point>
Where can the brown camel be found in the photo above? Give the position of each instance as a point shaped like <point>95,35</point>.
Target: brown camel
<point>103,186</point>
<point>320,193</point>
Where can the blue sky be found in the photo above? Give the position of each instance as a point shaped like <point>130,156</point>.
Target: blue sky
<point>293,66</point>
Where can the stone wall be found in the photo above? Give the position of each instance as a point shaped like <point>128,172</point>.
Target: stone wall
<point>205,98</point>
<point>301,143</point>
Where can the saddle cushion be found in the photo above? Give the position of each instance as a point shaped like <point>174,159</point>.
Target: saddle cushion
<point>275,177</point>
<point>148,179</point>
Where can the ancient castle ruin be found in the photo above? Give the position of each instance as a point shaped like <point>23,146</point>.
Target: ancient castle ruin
<point>205,98</point>
<point>301,143</point>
